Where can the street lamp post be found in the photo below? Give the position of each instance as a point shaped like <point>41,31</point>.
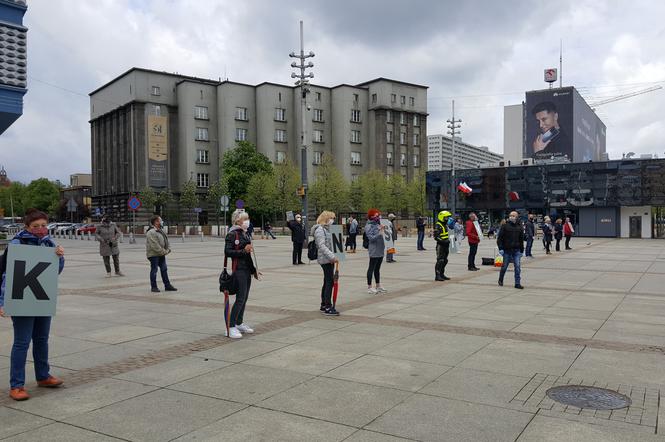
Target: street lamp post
<point>453,130</point>
<point>303,82</point>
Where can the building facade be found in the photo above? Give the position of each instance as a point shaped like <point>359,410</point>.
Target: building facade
<point>467,156</point>
<point>13,63</point>
<point>159,129</point>
<point>621,198</point>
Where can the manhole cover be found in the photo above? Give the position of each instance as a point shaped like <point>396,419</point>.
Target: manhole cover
<point>588,397</point>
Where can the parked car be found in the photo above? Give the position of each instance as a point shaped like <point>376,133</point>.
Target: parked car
<point>86,228</point>
<point>13,226</point>
<point>64,227</point>
<point>51,226</point>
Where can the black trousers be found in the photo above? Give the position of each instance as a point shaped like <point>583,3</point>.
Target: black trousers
<point>374,269</point>
<point>116,263</point>
<point>442,250</point>
<point>548,244</point>
<point>352,240</point>
<point>297,252</point>
<point>558,242</point>
<point>327,288</point>
<point>473,249</point>
<point>568,241</point>
<point>244,284</point>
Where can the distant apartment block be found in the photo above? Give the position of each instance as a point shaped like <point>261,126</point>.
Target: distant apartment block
<point>467,156</point>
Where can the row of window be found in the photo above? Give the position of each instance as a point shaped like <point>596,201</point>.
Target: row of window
<point>402,138</point>
<point>393,99</point>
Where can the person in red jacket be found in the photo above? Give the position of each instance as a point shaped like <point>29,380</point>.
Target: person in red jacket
<point>568,232</point>
<point>472,235</point>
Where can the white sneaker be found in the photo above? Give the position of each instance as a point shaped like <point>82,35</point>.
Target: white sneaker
<point>108,275</point>
<point>381,290</point>
<point>372,291</point>
<point>245,328</point>
<point>234,333</point>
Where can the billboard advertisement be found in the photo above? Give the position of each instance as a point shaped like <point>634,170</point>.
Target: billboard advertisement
<point>589,136</point>
<point>549,124</point>
<point>158,149</point>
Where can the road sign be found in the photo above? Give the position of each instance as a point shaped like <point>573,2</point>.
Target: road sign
<point>32,281</point>
<point>98,211</point>
<point>134,203</point>
<point>224,200</point>
<point>71,205</point>
<point>224,208</point>
<point>198,210</point>
<point>240,204</point>
<point>337,241</point>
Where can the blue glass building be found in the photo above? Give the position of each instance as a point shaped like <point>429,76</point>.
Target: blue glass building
<point>13,61</point>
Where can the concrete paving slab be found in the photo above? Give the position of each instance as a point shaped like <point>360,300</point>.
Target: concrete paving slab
<point>344,341</point>
<point>372,436</point>
<point>623,367</point>
<point>553,330</point>
<point>326,324</point>
<point>59,432</point>
<point>242,383</point>
<point>381,330</point>
<point>429,418</point>
<point>304,359</point>
<point>240,351</point>
<point>96,356</point>
<point>168,339</point>
<point>156,416</point>
<point>119,334</point>
<point>257,424</point>
<point>291,335</point>
<point>171,372</point>
<point>15,422</point>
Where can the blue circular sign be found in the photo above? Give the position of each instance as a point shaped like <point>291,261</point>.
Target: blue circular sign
<point>134,203</point>
<point>240,204</point>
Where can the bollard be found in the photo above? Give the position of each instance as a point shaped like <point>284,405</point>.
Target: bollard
<point>201,233</point>
<point>132,240</point>
<point>183,236</point>
<point>122,237</point>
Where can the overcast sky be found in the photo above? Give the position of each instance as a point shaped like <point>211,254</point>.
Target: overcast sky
<point>484,54</point>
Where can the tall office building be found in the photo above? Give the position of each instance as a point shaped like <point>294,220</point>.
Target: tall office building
<point>467,156</point>
<point>13,62</point>
<point>159,129</point>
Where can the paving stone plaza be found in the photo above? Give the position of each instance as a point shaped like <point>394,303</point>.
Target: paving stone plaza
<point>462,360</point>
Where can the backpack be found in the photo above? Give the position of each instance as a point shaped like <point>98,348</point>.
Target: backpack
<point>3,258</point>
<point>312,250</point>
<point>365,241</point>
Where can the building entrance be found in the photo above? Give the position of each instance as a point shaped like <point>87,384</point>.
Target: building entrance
<point>635,227</point>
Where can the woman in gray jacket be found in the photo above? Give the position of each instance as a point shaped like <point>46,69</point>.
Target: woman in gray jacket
<point>107,233</point>
<point>374,231</point>
<point>326,258</point>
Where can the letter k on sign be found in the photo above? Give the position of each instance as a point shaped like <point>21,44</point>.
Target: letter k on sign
<point>23,280</point>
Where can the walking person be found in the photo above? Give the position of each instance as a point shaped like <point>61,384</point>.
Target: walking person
<point>31,328</point>
<point>558,233</point>
<point>459,234</point>
<point>298,238</point>
<point>421,223</point>
<point>326,258</point>
<point>393,232</point>
<point>474,240</point>
<point>547,234</point>
<point>510,241</point>
<point>568,232</point>
<point>374,231</point>
<point>442,237</point>
<point>353,233</point>
<point>238,246</point>
<point>157,247</point>
<point>108,234</point>
<point>529,234</point>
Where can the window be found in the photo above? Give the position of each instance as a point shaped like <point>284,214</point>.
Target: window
<point>202,156</point>
<point>393,98</point>
<point>416,160</point>
<point>389,136</point>
<point>318,136</point>
<point>402,159</point>
<point>402,99</point>
<point>202,133</point>
<point>317,96</point>
<point>416,120</point>
<point>202,180</point>
<point>402,118</point>
<point>279,97</point>
<point>355,158</point>
<point>355,136</point>
<point>280,114</point>
<point>402,138</point>
<point>280,135</point>
<point>156,110</point>
<point>389,158</point>
<point>201,112</point>
<point>241,113</point>
<point>241,134</point>
<point>318,157</point>
<point>355,116</point>
<point>355,98</point>
<point>373,98</point>
<point>318,115</point>
<point>155,90</point>
<point>412,101</point>
<point>281,157</point>
<point>416,139</point>
<point>389,117</point>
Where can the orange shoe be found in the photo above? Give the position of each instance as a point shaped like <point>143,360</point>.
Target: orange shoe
<point>50,382</point>
<point>19,394</point>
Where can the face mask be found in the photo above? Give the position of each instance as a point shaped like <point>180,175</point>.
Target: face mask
<point>245,225</point>
<point>512,219</point>
<point>39,232</point>
<point>331,222</point>
<point>298,219</point>
<point>376,218</point>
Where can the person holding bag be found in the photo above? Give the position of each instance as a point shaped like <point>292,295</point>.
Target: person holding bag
<point>568,232</point>
<point>238,246</point>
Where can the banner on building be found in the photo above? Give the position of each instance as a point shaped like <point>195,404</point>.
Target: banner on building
<point>158,151</point>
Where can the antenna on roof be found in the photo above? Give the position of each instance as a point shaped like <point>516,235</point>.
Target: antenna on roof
<point>561,62</point>
<point>226,78</point>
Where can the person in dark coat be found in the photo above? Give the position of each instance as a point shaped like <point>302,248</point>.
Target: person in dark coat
<point>547,234</point>
<point>558,233</point>
<point>510,241</point>
<point>529,235</point>
<point>298,238</point>
<point>420,226</point>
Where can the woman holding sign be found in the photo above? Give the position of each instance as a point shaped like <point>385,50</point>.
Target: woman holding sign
<point>27,328</point>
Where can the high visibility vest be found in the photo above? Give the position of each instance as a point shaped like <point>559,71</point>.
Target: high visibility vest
<point>444,231</point>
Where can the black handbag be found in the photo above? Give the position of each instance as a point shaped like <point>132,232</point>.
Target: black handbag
<point>228,282</point>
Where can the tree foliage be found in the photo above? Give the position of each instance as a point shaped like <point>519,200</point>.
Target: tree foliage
<point>417,190</point>
<point>398,199</point>
<point>188,198</point>
<point>287,181</point>
<point>239,165</point>
<point>14,195</point>
<point>374,191</point>
<point>330,190</point>
<point>148,198</point>
<point>260,199</point>
<point>215,192</point>
<point>42,194</point>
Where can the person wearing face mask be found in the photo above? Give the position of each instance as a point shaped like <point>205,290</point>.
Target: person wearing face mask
<point>298,238</point>
<point>374,231</point>
<point>31,328</point>
<point>510,241</point>
<point>238,246</point>
<point>353,233</point>
<point>326,259</point>
<point>157,247</point>
<point>107,233</point>
<point>529,234</point>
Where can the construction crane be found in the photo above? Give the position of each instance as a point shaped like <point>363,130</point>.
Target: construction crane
<point>624,96</point>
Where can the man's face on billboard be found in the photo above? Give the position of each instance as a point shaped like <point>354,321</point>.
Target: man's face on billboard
<point>547,120</point>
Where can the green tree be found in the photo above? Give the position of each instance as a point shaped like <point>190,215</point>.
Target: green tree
<point>215,192</point>
<point>374,191</point>
<point>417,190</point>
<point>239,165</point>
<point>355,196</point>
<point>398,197</point>
<point>13,196</point>
<point>148,199</point>
<point>42,194</point>
<point>330,190</point>
<point>260,197</point>
<point>287,181</point>
<point>188,198</point>
<point>164,197</point>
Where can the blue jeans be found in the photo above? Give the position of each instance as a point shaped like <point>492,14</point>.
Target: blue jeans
<point>529,244</point>
<point>27,328</point>
<point>155,263</point>
<point>515,258</point>
<point>421,238</point>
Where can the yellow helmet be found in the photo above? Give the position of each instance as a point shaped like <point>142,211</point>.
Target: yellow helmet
<point>444,214</point>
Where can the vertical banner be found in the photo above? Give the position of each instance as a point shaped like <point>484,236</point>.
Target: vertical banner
<point>388,236</point>
<point>158,151</point>
<point>338,241</point>
<point>31,284</point>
